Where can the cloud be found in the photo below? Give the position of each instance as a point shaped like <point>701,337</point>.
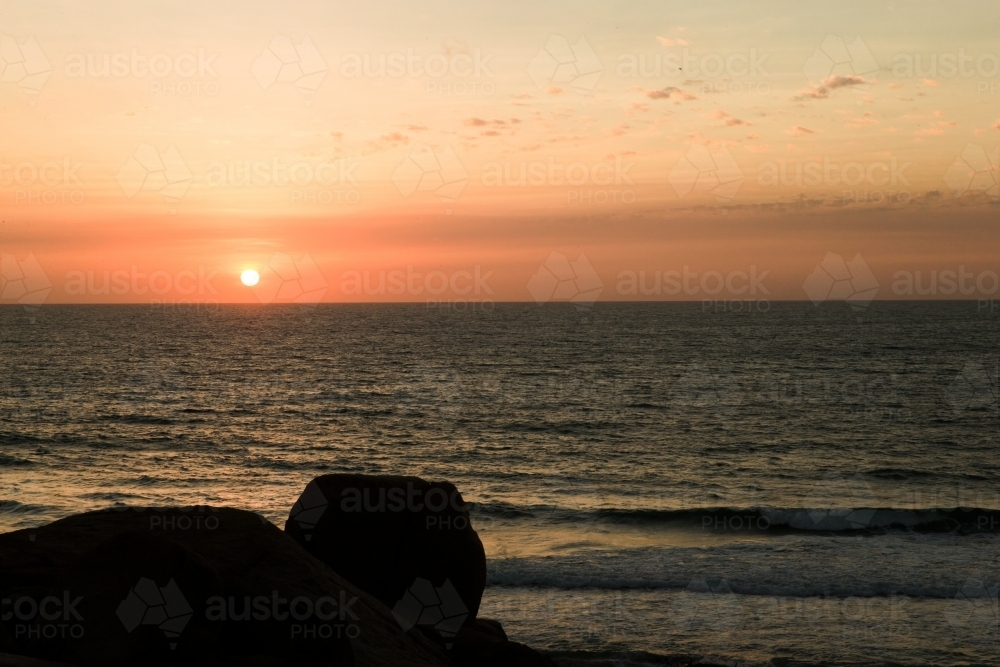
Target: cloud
<point>931,83</point>
<point>832,82</point>
<point>758,149</point>
<point>668,93</point>
<point>666,41</point>
<point>554,90</point>
<point>729,120</point>
<point>475,122</point>
<point>416,128</point>
<point>389,141</point>
<point>798,131</point>
<point>753,135</point>
<point>996,125</point>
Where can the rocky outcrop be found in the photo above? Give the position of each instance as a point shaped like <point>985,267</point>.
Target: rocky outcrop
<point>371,571</point>
<point>189,586</point>
<point>408,542</point>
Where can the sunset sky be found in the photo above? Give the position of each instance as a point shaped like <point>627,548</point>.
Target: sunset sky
<point>333,139</point>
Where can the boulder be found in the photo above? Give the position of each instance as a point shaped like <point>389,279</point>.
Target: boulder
<point>485,644</point>
<point>189,586</point>
<point>407,541</point>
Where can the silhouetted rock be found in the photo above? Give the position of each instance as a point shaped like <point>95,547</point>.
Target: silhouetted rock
<point>189,586</point>
<point>406,541</point>
<point>490,627</point>
<point>486,645</point>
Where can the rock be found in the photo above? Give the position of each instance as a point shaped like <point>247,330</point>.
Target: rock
<point>486,645</point>
<point>10,660</point>
<point>172,586</point>
<point>406,541</point>
<point>491,627</point>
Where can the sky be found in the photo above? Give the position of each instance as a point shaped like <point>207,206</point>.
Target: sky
<point>454,152</point>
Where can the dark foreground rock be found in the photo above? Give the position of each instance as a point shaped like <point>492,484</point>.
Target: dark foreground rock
<point>406,541</point>
<point>188,586</point>
<point>411,544</point>
<point>486,645</point>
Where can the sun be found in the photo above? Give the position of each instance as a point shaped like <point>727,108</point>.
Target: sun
<point>249,277</point>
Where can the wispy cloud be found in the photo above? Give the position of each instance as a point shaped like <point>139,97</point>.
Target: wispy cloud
<point>729,120</point>
<point>832,82</point>
<point>670,92</point>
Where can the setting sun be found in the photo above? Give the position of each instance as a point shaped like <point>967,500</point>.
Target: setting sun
<point>249,277</point>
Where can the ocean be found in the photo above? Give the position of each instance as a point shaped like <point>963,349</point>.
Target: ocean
<point>800,485</point>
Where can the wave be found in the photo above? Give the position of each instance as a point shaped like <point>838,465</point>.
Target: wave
<point>758,569</point>
<point>959,520</point>
<point>14,507</point>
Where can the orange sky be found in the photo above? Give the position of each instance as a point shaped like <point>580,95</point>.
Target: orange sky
<point>313,144</point>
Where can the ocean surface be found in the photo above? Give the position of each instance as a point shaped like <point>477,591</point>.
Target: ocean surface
<point>803,485</point>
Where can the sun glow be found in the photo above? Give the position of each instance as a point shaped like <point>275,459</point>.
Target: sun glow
<point>249,277</point>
